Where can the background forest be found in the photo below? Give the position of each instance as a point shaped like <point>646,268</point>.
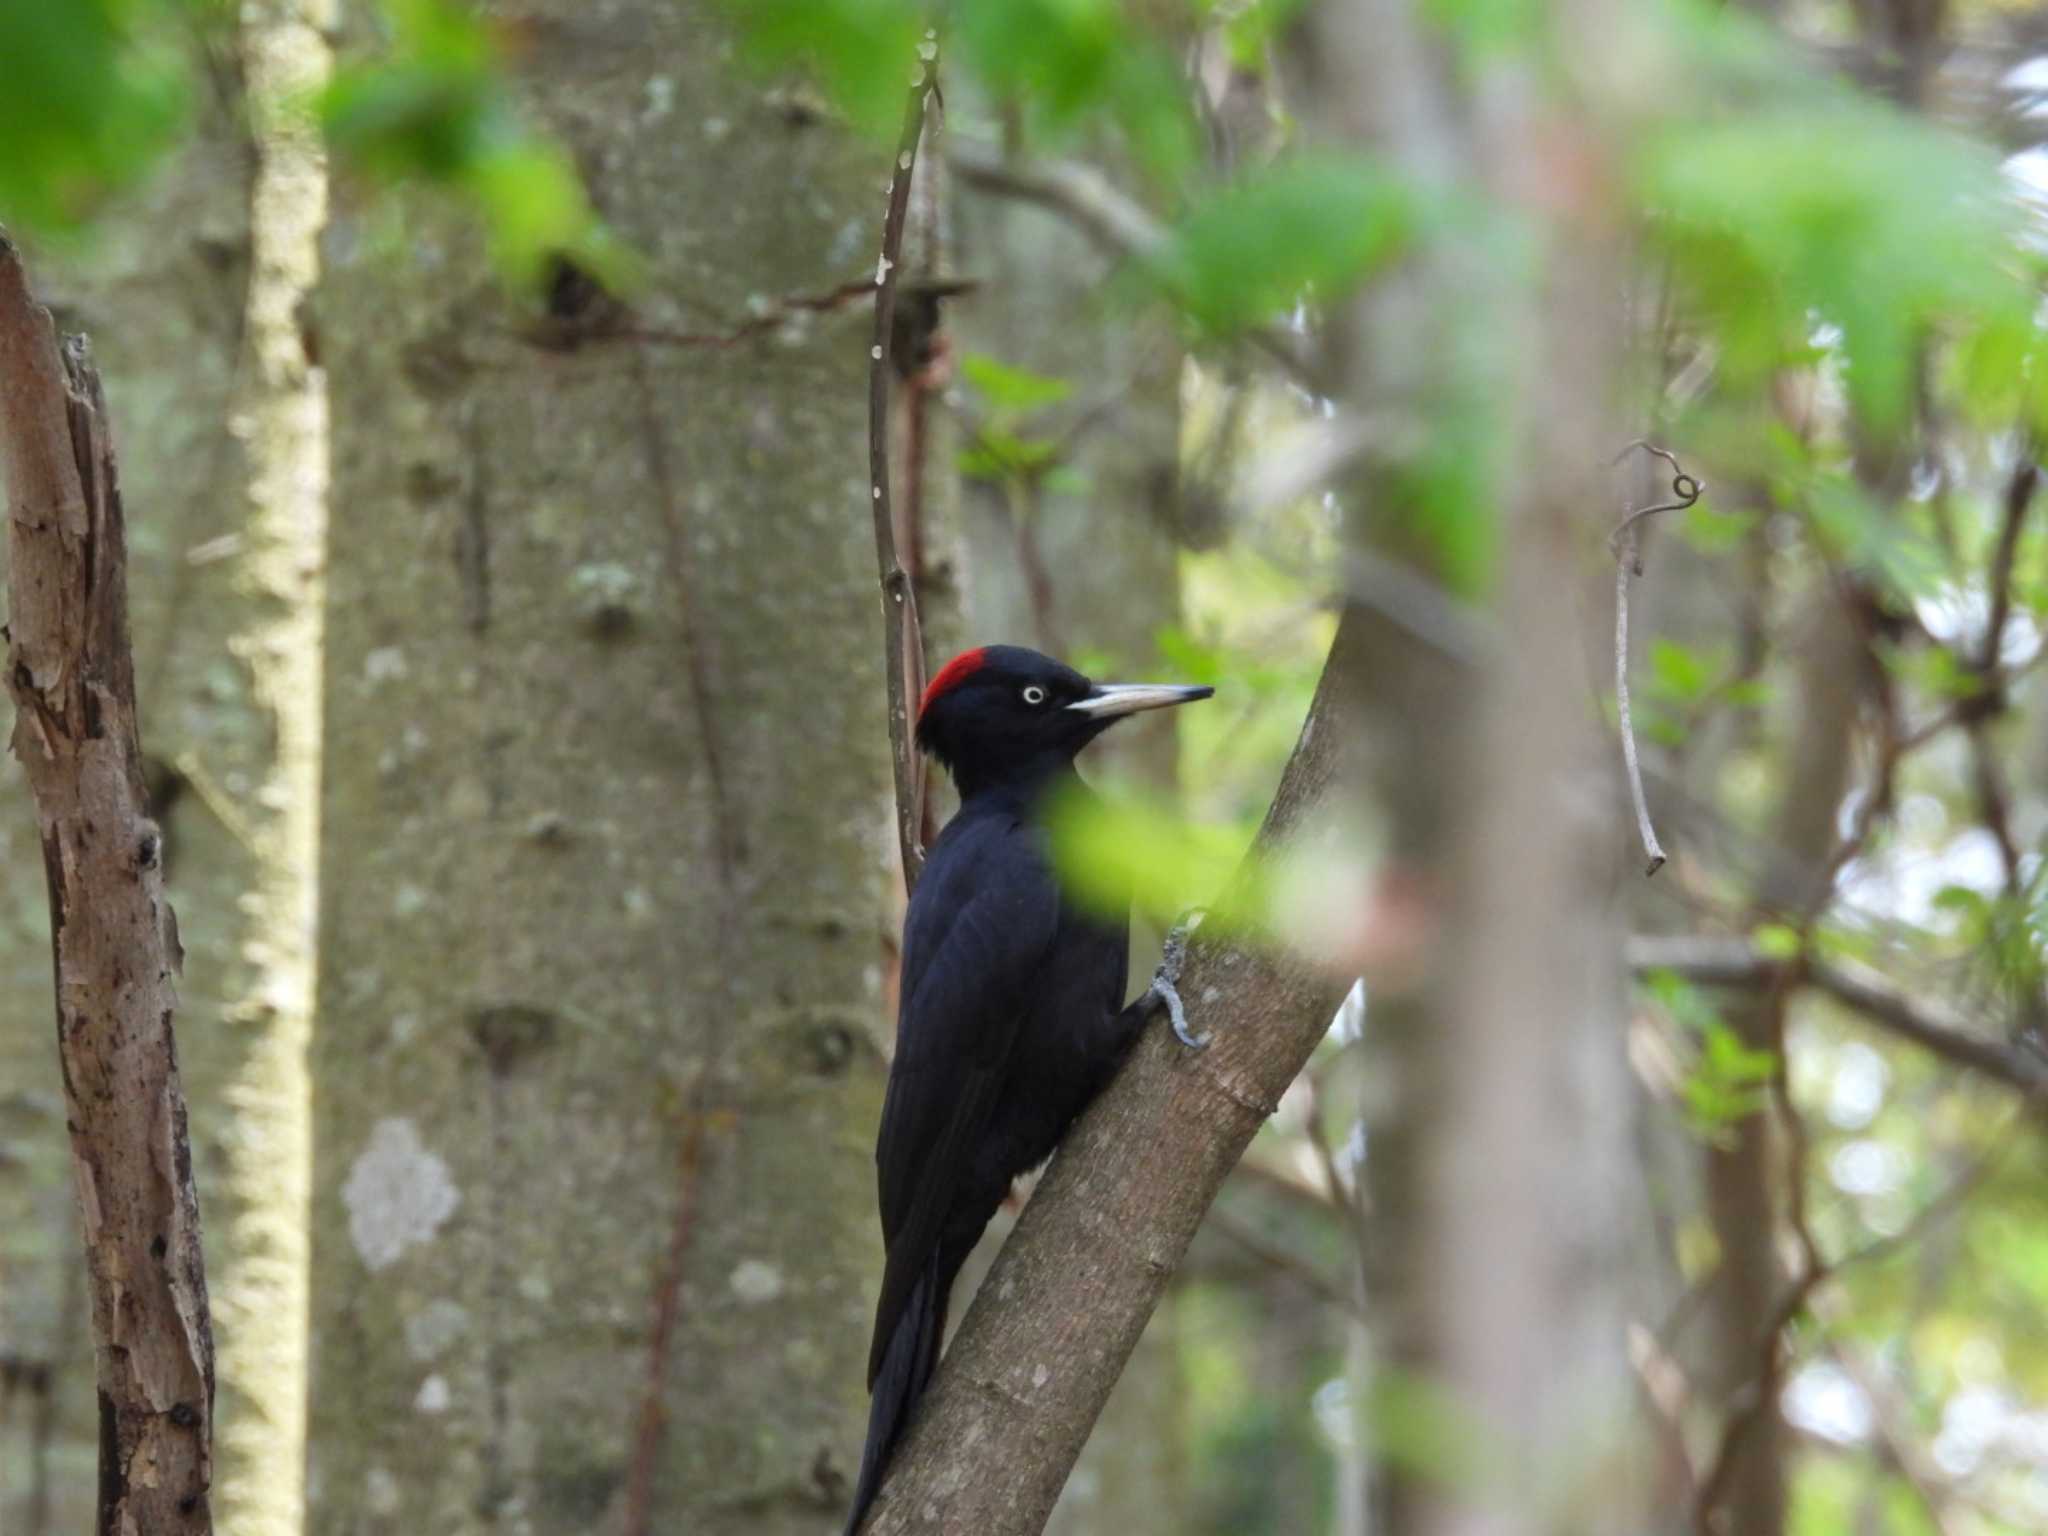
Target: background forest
<point>491,388</point>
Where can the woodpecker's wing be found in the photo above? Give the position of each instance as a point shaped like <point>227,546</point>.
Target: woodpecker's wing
<point>979,931</point>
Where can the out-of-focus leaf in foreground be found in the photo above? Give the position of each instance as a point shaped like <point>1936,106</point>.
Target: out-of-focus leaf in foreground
<point>1127,853</point>
<point>91,92</point>
<point>1115,854</point>
<point>436,108</point>
<point>1063,61</point>
<point>861,51</point>
<point>1842,214</point>
<point>1310,228</point>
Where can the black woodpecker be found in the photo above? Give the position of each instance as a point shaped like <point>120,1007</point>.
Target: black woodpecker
<point>1012,1011</point>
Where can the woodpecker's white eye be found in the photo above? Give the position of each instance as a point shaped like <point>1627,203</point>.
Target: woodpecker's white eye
<point>1033,694</point>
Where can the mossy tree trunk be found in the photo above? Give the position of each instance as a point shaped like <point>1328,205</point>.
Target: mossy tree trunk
<point>603,851</point>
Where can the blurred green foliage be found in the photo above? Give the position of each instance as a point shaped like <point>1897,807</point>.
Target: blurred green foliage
<point>91,92</point>
<point>1725,1081</point>
<point>434,107</point>
<point>863,52</point>
<point>1003,445</point>
<point>1816,240</point>
<point>1309,228</point>
<point>1839,215</point>
<point>1116,854</point>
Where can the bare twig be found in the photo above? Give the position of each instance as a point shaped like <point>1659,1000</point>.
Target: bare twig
<point>1284,1261</point>
<point>904,652</point>
<point>1892,1420</point>
<point>1819,1270</point>
<point>71,672</point>
<point>1931,1025</point>
<point>2019,495</point>
<point>1993,799</point>
<point>1628,560</point>
<point>1653,851</point>
<point>846,295</point>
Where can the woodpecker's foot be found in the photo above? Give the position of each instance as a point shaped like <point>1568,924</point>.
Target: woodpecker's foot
<point>1165,980</point>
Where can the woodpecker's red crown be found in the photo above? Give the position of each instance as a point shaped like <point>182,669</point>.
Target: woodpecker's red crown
<point>1004,714</point>
<point>951,675</point>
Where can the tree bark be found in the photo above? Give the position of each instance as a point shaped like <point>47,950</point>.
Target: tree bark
<point>72,677</point>
<point>161,285</point>
<point>604,801</point>
<point>1741,1175</point>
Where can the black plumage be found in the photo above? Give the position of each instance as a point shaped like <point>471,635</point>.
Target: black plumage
<point>1011,1015</point>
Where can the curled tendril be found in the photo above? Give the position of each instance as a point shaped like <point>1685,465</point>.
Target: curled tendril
<point>1685,490</point>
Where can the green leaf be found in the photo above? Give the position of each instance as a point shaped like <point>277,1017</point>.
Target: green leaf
<point>436,108</point>
<point>1727,1080</point>
<point>1679,673</point>
<point>995,454</point>
<point>1841,212</point>
<point>1776,941</point>
<point>1062,61</point>
<point>1249,30</point>
<point>1489,27</point>
<point>1010,388</point>
<point>1309,228</point>
<point>861,51</point>
<point>94,92</point>
<point>1714,531</point>
<point>1114,855</point>
<point>1874,536</point>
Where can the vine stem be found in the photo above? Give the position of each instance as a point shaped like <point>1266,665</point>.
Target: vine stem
<point>903,653</point>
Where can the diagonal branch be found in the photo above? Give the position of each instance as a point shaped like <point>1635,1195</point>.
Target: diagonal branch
<point>1053,1324</point>
<point>72,676</point>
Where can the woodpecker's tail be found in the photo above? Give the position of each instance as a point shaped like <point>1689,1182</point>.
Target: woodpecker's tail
<point>906,1371</point>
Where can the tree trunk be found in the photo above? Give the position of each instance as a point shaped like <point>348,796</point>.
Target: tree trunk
<point>602,878</point>
<point>71,674</point>
<point>1741,1176</point>
<point>1505,1114</point>
<point>220,600</point>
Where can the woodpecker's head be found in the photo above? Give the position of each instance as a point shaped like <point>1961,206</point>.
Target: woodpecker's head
<point>1001,713</point>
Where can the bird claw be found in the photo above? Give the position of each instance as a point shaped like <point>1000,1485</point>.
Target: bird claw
<point>1164,980</point>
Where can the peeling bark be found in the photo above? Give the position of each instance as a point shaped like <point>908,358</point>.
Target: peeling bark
<point>72,677</point>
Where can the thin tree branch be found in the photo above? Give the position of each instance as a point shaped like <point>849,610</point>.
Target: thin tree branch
<point>1085,198</point>
<point>1818,1270</point>
<point>1628,561</point>
<point>1051,1327</point>
<point>904,652</point>
<point>1893,1423</point>
<point>72,676</point>
<point>2019,495</point>
<point>1931,1025</point>
<point>1653,851</point>
<point>1284,1261</point>
<point>778,313</point>
<point>1993,799</point>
